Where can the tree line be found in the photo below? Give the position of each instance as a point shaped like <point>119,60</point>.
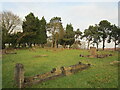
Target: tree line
<point>34,32</point>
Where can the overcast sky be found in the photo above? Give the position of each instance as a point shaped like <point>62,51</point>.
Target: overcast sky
<point>80,13</point>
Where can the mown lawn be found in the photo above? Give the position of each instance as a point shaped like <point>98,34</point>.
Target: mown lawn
<point>100,75</point>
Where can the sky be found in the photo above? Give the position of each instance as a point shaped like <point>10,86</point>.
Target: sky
<point>80,13</point>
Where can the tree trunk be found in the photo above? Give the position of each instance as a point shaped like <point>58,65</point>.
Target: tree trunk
<point>57,45</point>
<point>24,45</point>
<point>14,45</point>
<point>53,44</point>
<point>42,45</point>
<point>103,43</point>
<point>3,45</point>
<point>34,44</point>
<point>18,45</point>
<point>30,45</point>
<point>88,44</point>
<point>97,46</point>
<point>64,45</point>
<point>70,46</point>
<point>115,45</point>
<point>9,45</point>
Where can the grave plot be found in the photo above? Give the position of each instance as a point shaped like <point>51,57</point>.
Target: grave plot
<point>22,81</point>
<point>94,54</point>
<point>9,51</point>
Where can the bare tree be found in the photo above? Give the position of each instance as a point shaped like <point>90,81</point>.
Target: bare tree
<point>9,21</point>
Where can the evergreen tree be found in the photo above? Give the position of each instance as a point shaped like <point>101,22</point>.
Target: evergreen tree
<point>29,28</point>
<point>42,34</point>
<point>34,30</point>
<point>96,36</point>
<point>68,38</point>
<point>78,33</point>
<point>104,28</point>
<point>114,35</point>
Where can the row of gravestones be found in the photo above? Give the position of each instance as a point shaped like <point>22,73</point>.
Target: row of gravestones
<point>22,81</point>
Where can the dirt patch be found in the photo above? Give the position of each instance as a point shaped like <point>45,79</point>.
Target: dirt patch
<point>41,56</point>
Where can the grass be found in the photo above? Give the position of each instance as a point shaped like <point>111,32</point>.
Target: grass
<point>100,75</point>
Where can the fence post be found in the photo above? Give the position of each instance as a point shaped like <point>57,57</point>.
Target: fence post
<point>19,75</point>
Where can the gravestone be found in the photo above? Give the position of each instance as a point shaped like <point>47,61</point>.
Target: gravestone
<point>19,75</point>
<point>93,51</point>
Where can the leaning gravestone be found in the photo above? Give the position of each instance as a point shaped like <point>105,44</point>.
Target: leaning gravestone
<point>19,75</point>
<point>93,51</point>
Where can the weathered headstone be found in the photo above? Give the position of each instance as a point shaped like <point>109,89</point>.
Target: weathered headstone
<point>93,51</point>
<point>19,75</point>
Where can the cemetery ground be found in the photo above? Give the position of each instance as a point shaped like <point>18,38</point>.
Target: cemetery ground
<point>101,73</point>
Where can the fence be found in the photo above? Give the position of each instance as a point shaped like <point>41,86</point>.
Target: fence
<point>22,81</point>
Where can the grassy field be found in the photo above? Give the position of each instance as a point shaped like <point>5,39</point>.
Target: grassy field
<point>100,75</point>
